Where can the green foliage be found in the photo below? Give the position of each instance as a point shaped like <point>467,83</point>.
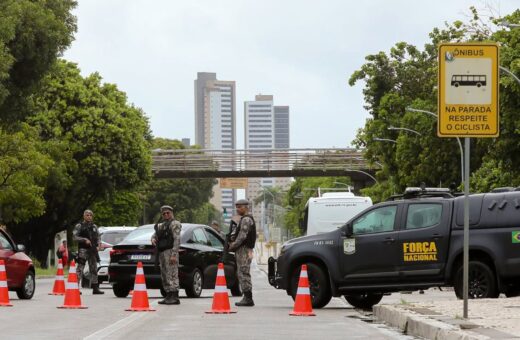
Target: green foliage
<point>299,193</point>
<point>407,77</point>
<point>32,35</point>
<point>119,208</point>
<point>99,143</point>
<point>23,171</point>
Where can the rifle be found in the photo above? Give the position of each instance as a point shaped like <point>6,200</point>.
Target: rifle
<point>156,251</point>
<point>232,226</point>
<point>225,251</point>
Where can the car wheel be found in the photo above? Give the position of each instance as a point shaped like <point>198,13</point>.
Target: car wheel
<point>27,290</point>
<point>364,301</point>
<point>318,284</point>
<point>120,291</point>
<point>235,289</point>
<point>482,283</point>
<point>194,288</point>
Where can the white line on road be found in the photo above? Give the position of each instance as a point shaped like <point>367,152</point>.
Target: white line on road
<point>111,329</point>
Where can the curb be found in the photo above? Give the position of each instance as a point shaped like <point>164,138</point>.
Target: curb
<point>421,325</point>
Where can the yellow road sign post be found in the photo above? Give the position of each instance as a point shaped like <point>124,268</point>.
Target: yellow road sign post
<point>468,107</point>
<point>468,90</point>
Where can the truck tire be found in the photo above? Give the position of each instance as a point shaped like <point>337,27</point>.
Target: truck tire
<point>318,284</point>
<point>482,282</point>
<point>364,301</point>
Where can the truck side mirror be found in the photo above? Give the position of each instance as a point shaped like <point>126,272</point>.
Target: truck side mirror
<point>348,231</point>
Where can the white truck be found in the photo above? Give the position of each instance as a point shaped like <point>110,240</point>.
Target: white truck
<point>332,210</point>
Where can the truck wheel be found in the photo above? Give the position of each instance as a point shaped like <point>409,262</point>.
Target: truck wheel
<point>120,291</point>
<point>318,284</point>
<point>364,301</point>
<point>482,283</point>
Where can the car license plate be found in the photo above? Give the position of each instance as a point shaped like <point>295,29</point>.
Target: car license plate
<point>140,257</point>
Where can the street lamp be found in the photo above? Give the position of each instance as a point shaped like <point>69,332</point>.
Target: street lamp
<point>365,173</point>
<point>503,69</point>
<point>507,24</point>
<point>377,139</point>
<point>411,109</point>
<point>404,129</point>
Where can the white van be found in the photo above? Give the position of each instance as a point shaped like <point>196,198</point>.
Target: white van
<point>332,210</point>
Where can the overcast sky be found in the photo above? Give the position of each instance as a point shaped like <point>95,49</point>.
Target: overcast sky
<point>300,51</point>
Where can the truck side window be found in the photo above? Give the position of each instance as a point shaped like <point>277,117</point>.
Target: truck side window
<point>376,221</point>
<point>423,215</point>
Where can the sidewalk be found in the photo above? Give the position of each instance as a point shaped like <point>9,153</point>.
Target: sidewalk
<point>438,315</point>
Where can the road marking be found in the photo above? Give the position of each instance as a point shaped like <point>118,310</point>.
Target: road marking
<point>111,329</point>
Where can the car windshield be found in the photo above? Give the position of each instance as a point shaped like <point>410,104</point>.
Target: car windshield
<point>114,238</point>
<point>142,234</point>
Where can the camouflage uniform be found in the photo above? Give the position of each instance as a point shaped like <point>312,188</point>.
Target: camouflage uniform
<point>169,271</point>
<point>87,253</point>
<point>243,254</point>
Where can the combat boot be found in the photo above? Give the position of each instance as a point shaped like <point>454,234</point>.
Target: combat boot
<point>175,298</point>
<point>168,296</point>
<point>247,300</point>
<point>96,290</point>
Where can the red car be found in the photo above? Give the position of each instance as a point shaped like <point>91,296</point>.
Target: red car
<point>19,267</point>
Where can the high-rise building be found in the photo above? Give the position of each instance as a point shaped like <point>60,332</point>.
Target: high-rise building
<point>215,116</point>
<point>266,127</point>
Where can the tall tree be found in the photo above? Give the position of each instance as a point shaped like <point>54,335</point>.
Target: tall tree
<point>23,172</point>
<point>99,143</point>
<point>407,77</point>
<point>32,35</point>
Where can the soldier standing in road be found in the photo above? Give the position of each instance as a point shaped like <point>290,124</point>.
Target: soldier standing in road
<point>87,235</point>
<point>242,242</point>
<point>167,239</point>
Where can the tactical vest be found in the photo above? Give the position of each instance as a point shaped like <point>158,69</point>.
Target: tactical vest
<point>86,231</point>
<point>250,240</point>
<point>164,237</point>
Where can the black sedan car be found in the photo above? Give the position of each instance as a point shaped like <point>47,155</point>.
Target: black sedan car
<point>200,252</point>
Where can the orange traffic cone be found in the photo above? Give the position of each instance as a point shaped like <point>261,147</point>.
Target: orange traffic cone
<point>303,304</point>
<point>59,283</point>
<point>4,291</point>
<point>72,297</point>
<point>220,296</point>
<point>140,296</point>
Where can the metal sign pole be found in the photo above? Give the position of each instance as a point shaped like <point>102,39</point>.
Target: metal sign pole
<point>466,227</point>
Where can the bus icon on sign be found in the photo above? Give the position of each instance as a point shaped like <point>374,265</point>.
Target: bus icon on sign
<point>468,80</point>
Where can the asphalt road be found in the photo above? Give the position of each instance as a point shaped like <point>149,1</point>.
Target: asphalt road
<point>106,318</point>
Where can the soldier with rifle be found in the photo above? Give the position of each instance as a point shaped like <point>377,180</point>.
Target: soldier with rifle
<point>167,240</point>
<point>242,238</point>
<point>87,235</point>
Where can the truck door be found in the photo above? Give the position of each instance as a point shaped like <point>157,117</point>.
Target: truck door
<point>372,253</point>
<point>424,239</point>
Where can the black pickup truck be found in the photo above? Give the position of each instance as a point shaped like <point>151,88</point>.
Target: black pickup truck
<point>410,242</point>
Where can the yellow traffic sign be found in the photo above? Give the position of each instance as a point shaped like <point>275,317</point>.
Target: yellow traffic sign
<point>468,90</point>
<point>233,183</point>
